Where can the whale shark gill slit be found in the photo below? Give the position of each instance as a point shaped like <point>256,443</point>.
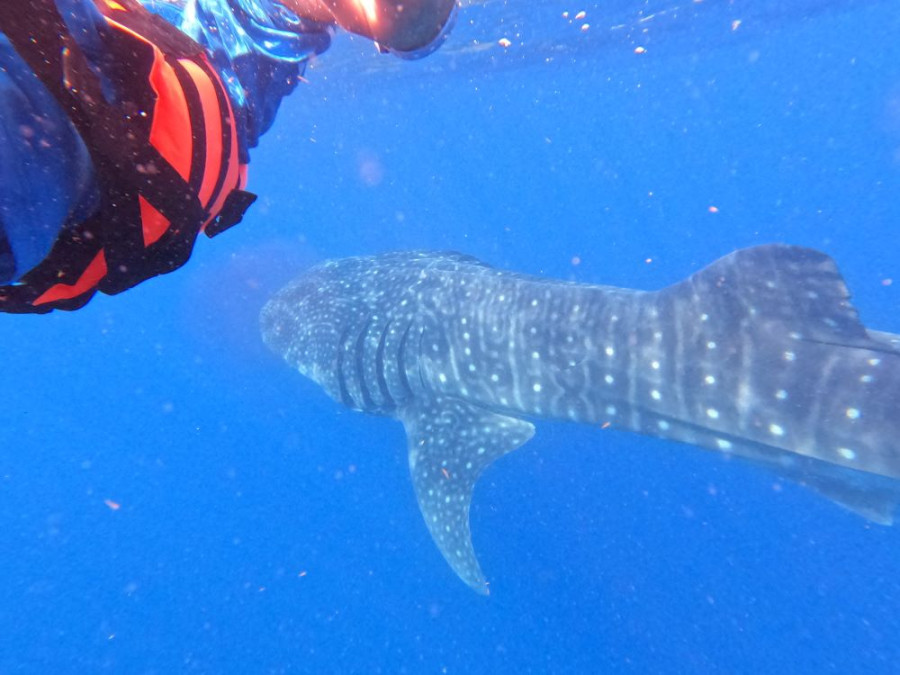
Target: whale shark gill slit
<point>345,397</point>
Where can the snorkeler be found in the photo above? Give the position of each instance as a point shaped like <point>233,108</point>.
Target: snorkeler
<point>125,125</point>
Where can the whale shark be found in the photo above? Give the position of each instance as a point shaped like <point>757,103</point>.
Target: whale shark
<point>760,356</point>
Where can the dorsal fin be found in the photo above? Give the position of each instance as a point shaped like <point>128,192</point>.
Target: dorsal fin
<point>798,288</point>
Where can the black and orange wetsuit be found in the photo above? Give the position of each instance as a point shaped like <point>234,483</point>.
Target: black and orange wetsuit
<point>166,151</point>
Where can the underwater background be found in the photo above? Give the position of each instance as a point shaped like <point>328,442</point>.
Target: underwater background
<point>173,498</point>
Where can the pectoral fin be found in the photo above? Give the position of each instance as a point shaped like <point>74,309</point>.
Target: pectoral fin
<point>450,444</point>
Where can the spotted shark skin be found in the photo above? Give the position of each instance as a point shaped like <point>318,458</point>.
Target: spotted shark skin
<point>759,356</point>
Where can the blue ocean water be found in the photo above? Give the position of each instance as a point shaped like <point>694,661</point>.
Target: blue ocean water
<point>174,499</point>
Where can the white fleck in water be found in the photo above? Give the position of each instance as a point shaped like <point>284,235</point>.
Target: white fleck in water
<point>847,453</point>
<point>853,413</point>
<point>663,425</point>
<point>610,351</point>
<point>723,444</point>
<point>711,345</point>
<point>709,379</point>
<point>654,365</point>
<point>781,395</point>
<point>442,377</point>
<point>609,379</point>
<point>790,356</point>
<point>656,395</point>
<point>776,430</point>
<point>537,387</point>
<point>712,413</point>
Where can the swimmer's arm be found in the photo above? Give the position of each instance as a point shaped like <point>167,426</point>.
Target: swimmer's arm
<point>401,25</point>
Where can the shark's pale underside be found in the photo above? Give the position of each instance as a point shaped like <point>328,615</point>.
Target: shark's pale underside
<point>760,356</point>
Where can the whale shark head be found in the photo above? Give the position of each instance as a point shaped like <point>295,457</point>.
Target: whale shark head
<point>354,325</point>
<point>310,320</point>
